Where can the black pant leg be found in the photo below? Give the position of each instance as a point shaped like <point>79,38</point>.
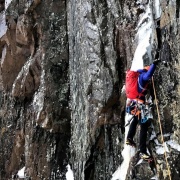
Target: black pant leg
<point>132,128</point>
<point>143,136</point>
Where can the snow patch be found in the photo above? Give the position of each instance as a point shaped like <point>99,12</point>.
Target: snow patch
<point>167,135</point>
<point>4,51</point>
<point>174,144</point>
<point>127,153</point>
<point>155,177</point>
<point>7,2</point>
<point>161,149</point>
<point>69,174</point>
<point>120,173</point>
<point>21,173</point>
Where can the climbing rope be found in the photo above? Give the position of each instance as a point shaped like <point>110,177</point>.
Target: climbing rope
<point>162,138</point>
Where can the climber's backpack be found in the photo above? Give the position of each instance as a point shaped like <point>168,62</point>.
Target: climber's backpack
<point>132,84</point>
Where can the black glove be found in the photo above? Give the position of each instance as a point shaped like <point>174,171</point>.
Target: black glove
<point>156,61</point>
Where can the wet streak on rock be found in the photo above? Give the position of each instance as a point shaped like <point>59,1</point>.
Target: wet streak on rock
<point>100,151</point>
<point>55,157</point>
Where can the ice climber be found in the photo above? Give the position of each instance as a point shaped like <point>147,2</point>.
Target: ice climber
<point>136,107</point>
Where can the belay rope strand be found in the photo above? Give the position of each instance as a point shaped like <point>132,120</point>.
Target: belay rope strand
<point>162,138</point>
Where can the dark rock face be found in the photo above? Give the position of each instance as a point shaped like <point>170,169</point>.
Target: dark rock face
<point>62,73</point>
<point>2,5</point>
<point>35,117</point>
<point>95,87</point>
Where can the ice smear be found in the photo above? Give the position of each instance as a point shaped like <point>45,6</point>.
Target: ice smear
<point>157,10</point>
<point>120,173</point>
<point>38,100</point>
<point>7,2</point>
<point>3,27</point>
<point>127,153</point>
<point>143,39</point>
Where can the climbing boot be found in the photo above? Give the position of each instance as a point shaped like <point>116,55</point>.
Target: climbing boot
<point>130,142</point>
<point>145,157</point>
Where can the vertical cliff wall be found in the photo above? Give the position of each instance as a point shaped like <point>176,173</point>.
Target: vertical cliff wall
<point>62,73</point>
<point>35,116</point>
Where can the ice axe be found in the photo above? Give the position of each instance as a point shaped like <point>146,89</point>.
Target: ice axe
<point>129,121</point>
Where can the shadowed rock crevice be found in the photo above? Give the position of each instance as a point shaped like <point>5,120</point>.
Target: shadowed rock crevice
<point>177,8</point>
<point>104,147</point>
<point>2,4</point>
<point>159,37</point>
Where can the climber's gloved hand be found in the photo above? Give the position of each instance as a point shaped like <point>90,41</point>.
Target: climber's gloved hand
<point>156,61</point>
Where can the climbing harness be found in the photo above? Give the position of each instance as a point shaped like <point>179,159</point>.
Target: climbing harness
<point>134,112</point>
<point>145,113</point>
<point>139,109</point>
<point>162,138</point>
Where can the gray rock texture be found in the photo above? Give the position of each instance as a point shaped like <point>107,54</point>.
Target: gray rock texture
<point>62,72</point>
